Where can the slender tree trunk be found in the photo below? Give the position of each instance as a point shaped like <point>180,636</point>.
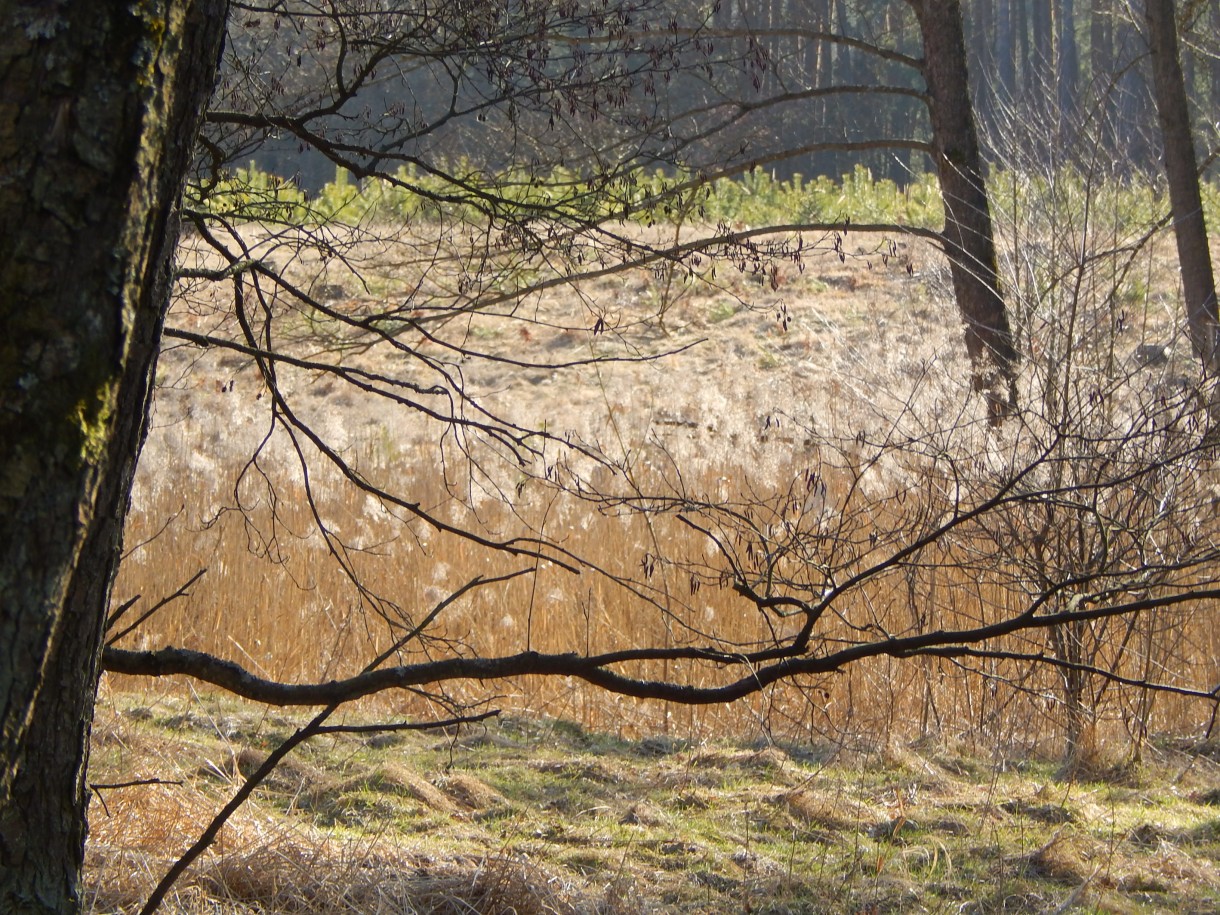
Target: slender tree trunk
<point>1041,62</point>
<point>982,45</point>
<point>824,162</point>
<point>1022,33</point>
<point>842,116</point>
<point>1189,226</point>
<point>1039,97</point>
<point>98,110</point>
<point>969,240</point>
<point>1006,53</point>
<point>1103,70</point>
<point>1067,60</point>
<point>904,116</point>
<point>1135,143</point>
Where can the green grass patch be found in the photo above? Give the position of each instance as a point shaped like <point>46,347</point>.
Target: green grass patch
<point>657,825</point>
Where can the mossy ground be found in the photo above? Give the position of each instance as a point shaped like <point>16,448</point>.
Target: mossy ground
<point>535,816</point>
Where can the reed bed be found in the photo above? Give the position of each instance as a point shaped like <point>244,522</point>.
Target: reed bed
<point>823,419</point>
<point>276,599</point>
<point>823,425</point>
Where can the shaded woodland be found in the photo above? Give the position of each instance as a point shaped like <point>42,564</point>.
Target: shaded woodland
<point>817,87</point>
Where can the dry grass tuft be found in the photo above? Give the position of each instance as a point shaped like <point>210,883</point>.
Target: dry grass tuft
<point>499,885</point>
<point>753,760</point>
<point>303,872</point>
<point>1173,863</point>
<point>1067,857</point>
<point>473,794</point>
<point>400,779</point>
<point>830,809</point>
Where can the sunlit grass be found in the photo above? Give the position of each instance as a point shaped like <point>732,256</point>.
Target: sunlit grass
<point>275,599</point>
<point>537,815</point>
<point>891,785</point>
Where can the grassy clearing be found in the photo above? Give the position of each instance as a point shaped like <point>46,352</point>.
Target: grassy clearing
<point>531,815</point>
<point>894,785</point>
<point>866,341</point>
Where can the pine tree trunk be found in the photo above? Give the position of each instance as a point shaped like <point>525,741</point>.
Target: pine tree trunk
<point>1006,52</point>
<point>969,240</point>
<point>824,76</point>
<point>1189,226</point>
<point>983,69</point>
<point>1103,70</point>
<point>98,109</point>
<point>1067,61</point>
<point>1040,67</point>
<point>1136,147</point>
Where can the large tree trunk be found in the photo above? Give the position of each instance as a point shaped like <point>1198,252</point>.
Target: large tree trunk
<point>969,241</point>
<point>98,110</point>
<point>1189,226</point>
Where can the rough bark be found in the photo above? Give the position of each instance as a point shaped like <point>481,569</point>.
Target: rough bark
<point>968,235</point>
<point>98,108</point>
<point>1181,169</point>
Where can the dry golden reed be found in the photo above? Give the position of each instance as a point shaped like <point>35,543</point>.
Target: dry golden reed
<point>275,600</point>
<point>308,576</point>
